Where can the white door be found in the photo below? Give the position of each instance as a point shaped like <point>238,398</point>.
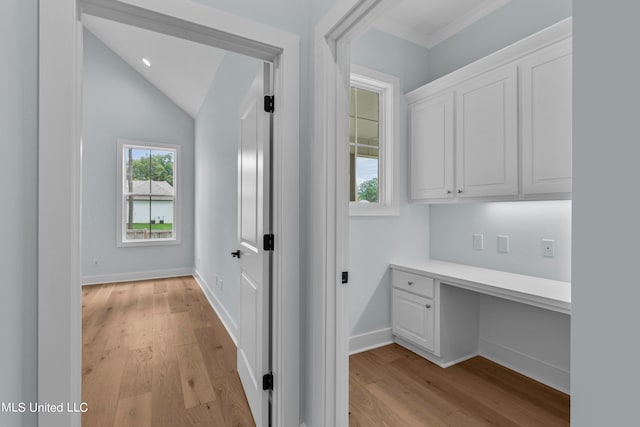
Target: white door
<point>253,224</point>
<point>487,135</point>
<point>432,148</point>
<point>546,120</point>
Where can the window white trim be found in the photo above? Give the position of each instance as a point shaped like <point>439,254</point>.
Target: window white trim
<point>121,241</point>
<point>389,152</point>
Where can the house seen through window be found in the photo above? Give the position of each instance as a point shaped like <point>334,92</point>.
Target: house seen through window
<point>148,193</point>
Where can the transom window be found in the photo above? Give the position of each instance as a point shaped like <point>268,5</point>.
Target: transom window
<point>148,196</point>
<point>373,143</point>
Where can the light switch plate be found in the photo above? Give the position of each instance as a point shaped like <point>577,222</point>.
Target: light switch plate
<point>548,248</point>
<point>478,242</point>
<point>503,244</point>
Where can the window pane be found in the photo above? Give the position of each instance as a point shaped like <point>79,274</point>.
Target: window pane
<point>367,176</point>
<point>136,170</point>
<point>367,105</point>
<point>161,171</point>
<point>368,132</point>
<point>161,218</point>
<point>138,214</point>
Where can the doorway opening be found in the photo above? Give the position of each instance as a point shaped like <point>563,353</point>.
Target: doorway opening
<point>60,78</point>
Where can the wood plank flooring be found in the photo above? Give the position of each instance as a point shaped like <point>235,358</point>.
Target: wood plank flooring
<point>154,353</point>
<point>391,386</point>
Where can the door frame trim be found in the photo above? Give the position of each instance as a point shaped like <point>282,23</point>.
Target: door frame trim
<point>329,352</point>
<point>59,183</point>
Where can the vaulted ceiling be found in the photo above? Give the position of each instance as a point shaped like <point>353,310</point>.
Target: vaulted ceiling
<point>181,69</point>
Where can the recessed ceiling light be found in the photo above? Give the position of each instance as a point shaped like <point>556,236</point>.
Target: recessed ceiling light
<point>146,62</point>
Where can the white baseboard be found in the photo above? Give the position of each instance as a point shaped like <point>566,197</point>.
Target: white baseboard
<point>223,314</point>
<point>370,340</point>
<point>136,275</point>
<point>539,370</point>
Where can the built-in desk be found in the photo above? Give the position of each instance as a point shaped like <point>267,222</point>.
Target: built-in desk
<point>436,304</point>
<point>544,293</point>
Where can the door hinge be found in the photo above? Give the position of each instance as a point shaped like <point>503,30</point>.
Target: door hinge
<point>269,242</point>
<point>267,381</point>
<point>345,277</point>
<point>269,103</point>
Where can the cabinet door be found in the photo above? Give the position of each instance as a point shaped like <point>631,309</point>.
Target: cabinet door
<point>546,120</point>
<point>487,135</point>
<point>413,318</point>
<point>431,149</point>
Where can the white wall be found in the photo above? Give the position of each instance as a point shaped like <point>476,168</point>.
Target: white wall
<point>375,241</point>
<point>18,251</point>
<point>119,103</point>
<point>606,231</point>
<point>216,171</point>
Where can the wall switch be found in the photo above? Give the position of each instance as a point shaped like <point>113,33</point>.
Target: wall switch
<point>503,244</point>
<point>548,248</point>
<point>478,242</point>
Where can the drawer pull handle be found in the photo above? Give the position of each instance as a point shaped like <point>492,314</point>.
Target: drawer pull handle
<point>410,283</point>
<point>428,305</point>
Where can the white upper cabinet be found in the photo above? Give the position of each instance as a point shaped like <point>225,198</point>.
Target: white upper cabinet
<point>546,120</point>
<point>496,129</point>
<point>431,151</point>
<point>487,135</point>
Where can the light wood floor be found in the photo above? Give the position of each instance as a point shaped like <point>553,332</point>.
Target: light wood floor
<point>155,354</point>
<point>391,386</point>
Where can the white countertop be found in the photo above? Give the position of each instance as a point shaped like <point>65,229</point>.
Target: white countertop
<point>549,294</point>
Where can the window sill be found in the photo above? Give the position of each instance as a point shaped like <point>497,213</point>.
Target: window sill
<point>154,242</point>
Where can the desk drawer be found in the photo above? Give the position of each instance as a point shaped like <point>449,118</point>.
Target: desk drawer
<point>413,283</point>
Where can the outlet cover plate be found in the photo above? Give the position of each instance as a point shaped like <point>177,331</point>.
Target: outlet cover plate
<point>548,248</point>
<point>503,244</point>
<point>478,242</point>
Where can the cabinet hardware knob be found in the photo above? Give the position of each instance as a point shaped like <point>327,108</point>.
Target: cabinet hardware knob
<point>459,191</point>
<point>428,305</point>
<point>410,283</point>
<point>448,191</point>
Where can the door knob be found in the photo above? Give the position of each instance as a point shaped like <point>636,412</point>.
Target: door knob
<point>236,254</point>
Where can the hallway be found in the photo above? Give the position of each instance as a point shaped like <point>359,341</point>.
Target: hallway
<point>154,353</point>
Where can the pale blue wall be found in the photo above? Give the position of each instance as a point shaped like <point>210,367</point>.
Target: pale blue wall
<point>375,241</point>
<point>606,212</point>
<point>510,23</point>
<point>119,103</point>
<point>526,224</point>
<point>216,176</point>
<point>19,173</point>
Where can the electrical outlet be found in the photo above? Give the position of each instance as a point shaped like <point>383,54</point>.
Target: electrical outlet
<point>478,242</point>
<point>548,248</point>
<point>221,285</point>
<point>503,244</point>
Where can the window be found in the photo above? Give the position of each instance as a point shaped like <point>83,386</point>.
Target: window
<point>148,194</point>
<point>373,143</point>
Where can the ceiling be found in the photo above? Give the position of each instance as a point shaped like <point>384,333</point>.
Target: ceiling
<point>181,69</point>
<point>429,22</point>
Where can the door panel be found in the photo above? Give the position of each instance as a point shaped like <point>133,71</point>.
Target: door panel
<point>253,222</point>
<point>413,318</point>
<point>432,148</point>
<point>487,135</point>
<point>546,120</point>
